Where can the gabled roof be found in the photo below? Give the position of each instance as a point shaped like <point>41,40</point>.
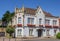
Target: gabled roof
<point>29,11</point>
<point>33,12</point>
<point>49,14</point>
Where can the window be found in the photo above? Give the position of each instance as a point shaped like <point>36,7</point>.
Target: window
<point>40,11</point>
<point>40,21</point>
<point>19,20</point>
<point>54,22</point>
<point>47,21</point>
<point>54,32</point>
<point>30,20</point>
<point>30,32</point>
<point>19,32</point>
<point>47,32</point>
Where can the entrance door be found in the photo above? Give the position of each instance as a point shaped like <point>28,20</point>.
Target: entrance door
<point>39,32</point>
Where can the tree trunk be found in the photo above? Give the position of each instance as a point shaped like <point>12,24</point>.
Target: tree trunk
<point>10,34</point>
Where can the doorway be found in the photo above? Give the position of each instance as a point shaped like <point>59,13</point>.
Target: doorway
<point>39,32</point>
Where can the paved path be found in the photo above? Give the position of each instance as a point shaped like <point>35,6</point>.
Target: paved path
<point>43,40</point>
<point>38,39</point>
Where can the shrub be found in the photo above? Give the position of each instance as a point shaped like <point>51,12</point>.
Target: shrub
<point>58,35</point>
<point>10,30</point>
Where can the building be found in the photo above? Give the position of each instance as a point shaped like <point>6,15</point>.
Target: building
<point>30,22</point>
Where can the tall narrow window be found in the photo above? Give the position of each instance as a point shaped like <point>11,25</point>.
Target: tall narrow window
<point>54,32</point>
<point>19,20</point>
<point>54,22</point>
<point>19,32</point>
<point>47,22</point>
<point>40,20</point>
<point>30,32</point>
<point>47,32</point>
<point>30,20</point>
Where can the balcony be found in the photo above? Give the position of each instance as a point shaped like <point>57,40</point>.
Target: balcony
<point>19,25</point>
<point>55,26</point>
<point>40,25</point>
<point>30,25</point>
<point>48,26</point>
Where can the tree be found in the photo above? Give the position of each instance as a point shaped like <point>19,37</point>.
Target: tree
<point>12,15</point>
<point>10,30</point>
<point>7,17</point>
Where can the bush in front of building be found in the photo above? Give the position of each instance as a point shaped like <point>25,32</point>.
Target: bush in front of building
<point>10,30</point>
<point>58,35</point>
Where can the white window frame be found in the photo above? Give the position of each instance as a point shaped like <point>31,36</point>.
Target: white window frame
<point>19,20</point>
<point>47,32</point>
<point>30,32</point>
<point>47,21</point>
<point>30,20</point>
<point>55,32</point>
<point>54,22</point>
<point>19,32</point>
<point>40,21</point>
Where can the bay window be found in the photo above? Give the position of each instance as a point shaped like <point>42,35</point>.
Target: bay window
<point>19,20</point>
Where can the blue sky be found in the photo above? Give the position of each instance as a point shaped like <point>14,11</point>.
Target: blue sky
<point>52,6</point>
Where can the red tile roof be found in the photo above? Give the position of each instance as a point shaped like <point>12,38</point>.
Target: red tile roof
<point>49,14</point>
<point>29,11</point>
<point>33,12</point>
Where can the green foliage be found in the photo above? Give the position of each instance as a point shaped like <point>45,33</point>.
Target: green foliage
<point>7,17</point>
<point>10,30</point>
<point>58,35</point>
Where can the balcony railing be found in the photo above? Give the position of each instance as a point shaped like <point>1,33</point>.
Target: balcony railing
<point>30,25</point>
<point>55,26</point>
<point>40,25</point>
<point>19,25</point>
<point>48,26</point>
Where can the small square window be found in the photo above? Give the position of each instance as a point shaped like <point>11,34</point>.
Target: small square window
<point>40,11</point>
